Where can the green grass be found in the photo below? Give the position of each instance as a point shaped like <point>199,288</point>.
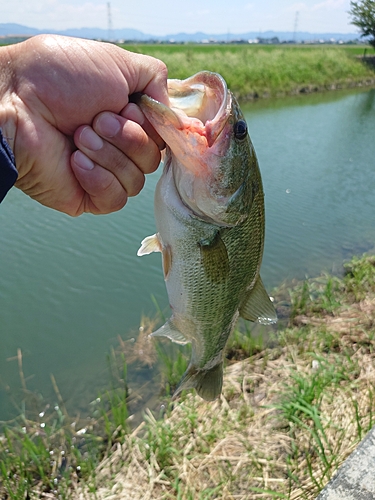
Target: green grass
<point>46,456</point>
<point>359,277</point>
<point>256,71</point>
<point>50,452</point>
<point>267,70</point>
<point>288,417</point>
<point>173,363</point>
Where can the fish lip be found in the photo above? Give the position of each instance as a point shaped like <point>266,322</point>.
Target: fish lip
<point>211,128</point>
<point>215,126</point>
<point>159,111</point>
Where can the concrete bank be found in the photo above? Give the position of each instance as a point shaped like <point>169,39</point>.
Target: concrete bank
<point>355,480</point>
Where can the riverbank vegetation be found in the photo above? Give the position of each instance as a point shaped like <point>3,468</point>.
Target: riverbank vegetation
<point>293,407</point>
<point>253,71</point>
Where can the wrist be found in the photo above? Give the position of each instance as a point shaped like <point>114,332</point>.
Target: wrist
<point>8,115</point>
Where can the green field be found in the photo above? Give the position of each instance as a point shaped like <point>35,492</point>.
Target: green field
<point>253,71</point>
<point>267,70</point>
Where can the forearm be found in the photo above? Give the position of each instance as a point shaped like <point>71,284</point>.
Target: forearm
<point>8,172</point>
<point>8,118</point>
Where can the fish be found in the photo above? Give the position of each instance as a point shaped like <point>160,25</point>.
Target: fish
<point>210,221</point>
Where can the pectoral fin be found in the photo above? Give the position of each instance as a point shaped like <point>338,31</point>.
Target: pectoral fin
<point>215,260</point>
<point>257,305</point>
<point>167,260</point>
<point>149,245</point>
<point>170,331</point>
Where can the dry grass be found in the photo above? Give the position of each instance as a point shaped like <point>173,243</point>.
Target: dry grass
<point>287,419</point>
<point>288,416</point>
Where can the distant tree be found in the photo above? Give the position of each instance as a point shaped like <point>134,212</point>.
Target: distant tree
<point>363,16</point>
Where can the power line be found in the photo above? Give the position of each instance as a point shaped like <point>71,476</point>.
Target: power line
<point>109,18</point>
<point>295,26</point>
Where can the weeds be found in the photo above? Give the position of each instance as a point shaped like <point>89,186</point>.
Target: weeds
<point>287,418</point>
<point>50,453</point>
<point>321,295</point>
<point>360,277</point>
<point>173,362</point>
<point>45,457</point>
<point>259,71</point>
<point>242,344</point>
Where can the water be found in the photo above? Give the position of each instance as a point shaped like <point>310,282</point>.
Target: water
<point>70,287</point>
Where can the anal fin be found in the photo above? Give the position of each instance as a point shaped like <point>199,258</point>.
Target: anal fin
<point>257,305</point>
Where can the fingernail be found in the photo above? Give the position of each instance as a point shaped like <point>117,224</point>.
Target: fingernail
<point>133,112</point>
<point>83,161</point>
<point>90,140</point>
<point>107,125</point>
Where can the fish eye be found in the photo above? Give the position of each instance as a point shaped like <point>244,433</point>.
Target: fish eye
<point>240,129</point>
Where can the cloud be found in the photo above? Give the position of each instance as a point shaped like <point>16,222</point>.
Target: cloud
<point>54,14</point>
<point>325,5</point>
<point>297,7</point>
<point>329,5</point>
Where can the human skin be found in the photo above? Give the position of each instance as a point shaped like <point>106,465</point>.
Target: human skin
<point>79,145</point>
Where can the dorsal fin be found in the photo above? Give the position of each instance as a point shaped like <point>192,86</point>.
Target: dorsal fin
<point>257,305</point>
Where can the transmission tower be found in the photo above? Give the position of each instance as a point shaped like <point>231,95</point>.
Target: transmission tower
<point>109,19</point>
<point>295,26</point>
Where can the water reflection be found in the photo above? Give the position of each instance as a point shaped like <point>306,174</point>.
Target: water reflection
<point>368,103</point>
<point>317,164</point>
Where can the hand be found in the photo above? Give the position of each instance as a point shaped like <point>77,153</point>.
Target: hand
<point>79,145</point>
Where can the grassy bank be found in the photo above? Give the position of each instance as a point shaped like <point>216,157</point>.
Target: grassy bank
<point>289,415</point>
<point>264,71</point>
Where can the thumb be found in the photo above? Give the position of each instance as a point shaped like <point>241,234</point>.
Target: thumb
<point>148,75</point>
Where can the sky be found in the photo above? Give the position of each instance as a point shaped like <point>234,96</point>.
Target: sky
<point>162,17</point>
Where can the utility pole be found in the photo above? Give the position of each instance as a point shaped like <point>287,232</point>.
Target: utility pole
<point>109,19</point>
<point>295,27</point>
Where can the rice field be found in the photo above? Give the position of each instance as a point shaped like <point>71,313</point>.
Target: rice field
<point>266,71</point>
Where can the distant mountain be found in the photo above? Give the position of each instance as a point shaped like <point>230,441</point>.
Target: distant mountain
<point>283,36</point>
<point>9,29</point>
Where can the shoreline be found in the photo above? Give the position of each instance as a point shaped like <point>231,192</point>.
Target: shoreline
<point>308,89</point>
<point>292,400</point>
<point>257,72</point>
<point>368,60</point>
<point>278,430</point>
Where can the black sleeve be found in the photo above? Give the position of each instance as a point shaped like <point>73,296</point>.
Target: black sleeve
<point>8,171</point>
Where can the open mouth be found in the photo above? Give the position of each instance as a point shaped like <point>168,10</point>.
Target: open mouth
<point>199,105</point>
<point>202,97</point>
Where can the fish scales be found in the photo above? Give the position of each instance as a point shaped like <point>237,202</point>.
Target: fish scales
<point>209,213</point>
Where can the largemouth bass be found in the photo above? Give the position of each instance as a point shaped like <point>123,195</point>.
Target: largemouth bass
<point>209,213</point>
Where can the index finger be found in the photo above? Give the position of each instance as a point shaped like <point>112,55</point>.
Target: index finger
<point>148,75</point>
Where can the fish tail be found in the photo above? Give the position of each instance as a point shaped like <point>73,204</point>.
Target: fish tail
<point>207,383</point>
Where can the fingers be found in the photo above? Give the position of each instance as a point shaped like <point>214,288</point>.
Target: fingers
<point>103,193</point>
<point>134,113</point>
<point>113,157</point>
<point>148,75</point>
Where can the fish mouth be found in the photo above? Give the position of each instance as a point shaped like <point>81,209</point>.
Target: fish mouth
<point>199,105</point>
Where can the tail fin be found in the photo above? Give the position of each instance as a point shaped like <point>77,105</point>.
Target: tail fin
<point>207,383</point>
